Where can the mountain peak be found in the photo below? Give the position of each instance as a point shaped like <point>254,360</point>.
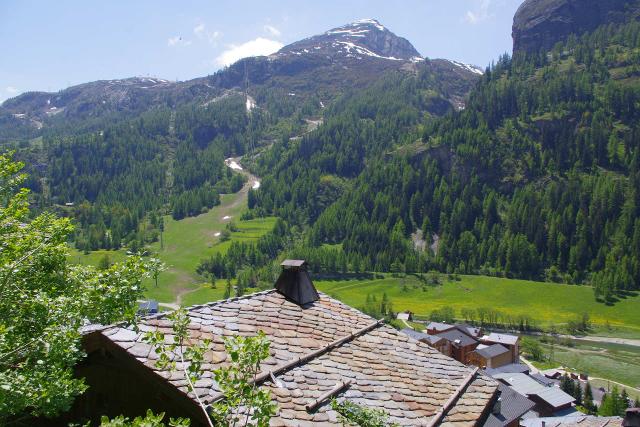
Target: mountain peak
<point>362,23</point>
<point>361,39</point>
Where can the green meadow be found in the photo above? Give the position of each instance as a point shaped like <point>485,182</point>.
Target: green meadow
<point>546,303</point>
<point>603,362</point>
<point>185,243</point>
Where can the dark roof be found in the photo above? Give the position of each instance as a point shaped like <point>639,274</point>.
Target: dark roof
<point>414,334</point>
<point>421,336</point>
<point>528,386</point>
<point>511,368</point>
<point>457,337</point>
<point>513,405</point>
<point>492,351</point>
<point>543,380</point>
<point>439,326</point>
<point>501,338</point>
<point>321,344</point>
<point>468,329</point>
<point>573,421</point>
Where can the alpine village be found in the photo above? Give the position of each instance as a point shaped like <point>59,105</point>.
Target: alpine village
<point>342,232</point>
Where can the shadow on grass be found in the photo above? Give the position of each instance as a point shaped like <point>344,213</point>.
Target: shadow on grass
<point>344,276</point>
<point>611,300</point>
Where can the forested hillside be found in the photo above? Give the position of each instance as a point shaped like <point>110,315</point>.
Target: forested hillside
<point>117,155</point>
<point>537,178</point>
<point>118,181</point>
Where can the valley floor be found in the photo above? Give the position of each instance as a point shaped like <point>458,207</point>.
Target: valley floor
<point>547,304</point>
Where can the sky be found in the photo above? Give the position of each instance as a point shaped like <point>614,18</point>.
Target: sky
<point>50,45</point>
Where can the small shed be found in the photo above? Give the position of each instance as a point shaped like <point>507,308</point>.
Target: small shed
<point>405,315</point>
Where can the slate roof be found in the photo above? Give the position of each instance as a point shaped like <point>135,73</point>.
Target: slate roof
<point>528,386</point>
<point>457,335</point>
<point>573,421</point>
<point>468,329</point>
<point>510,368</point>
<point>416,335</point>
<point>543,380</point>
<point>439,326</point>
<point>388,370</point>
<point>513,406</point>
<point>555,397</point>
<point>492,351</point>
<point>501,338</point>
<point>421,336</point>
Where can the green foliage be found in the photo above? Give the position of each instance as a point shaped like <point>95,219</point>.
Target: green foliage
<point>444,314</point>
<point>587,401</point>
<point>156,266</point>
<point>378,309</point>
<point>512,303</point>
<point>536,178</point>
<point>533,348</point>
<point>613,403</point>
<point>581,324</point>
<point>44,301</point>
<point>243,401</point>
<point>149,420</point>
<point>573,388</point>
<point>352,414</point>
<point>241,255</point>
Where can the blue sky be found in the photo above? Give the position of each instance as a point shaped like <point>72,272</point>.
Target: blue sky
<point>50,45</point>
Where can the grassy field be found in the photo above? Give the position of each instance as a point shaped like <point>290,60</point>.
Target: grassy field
<point>546,303</point>
<point>615,362</point>
<point>188,241</point>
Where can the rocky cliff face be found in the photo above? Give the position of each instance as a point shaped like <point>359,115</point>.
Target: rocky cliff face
<point>540,24</point>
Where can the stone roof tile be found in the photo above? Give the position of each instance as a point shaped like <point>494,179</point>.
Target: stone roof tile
<point>387,369</point>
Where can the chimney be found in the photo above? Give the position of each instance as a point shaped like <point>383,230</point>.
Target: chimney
<point>631,418</point>
<point>295,284</point>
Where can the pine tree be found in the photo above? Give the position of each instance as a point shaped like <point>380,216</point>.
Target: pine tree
<point>227,289</point>
<point>588,399</point>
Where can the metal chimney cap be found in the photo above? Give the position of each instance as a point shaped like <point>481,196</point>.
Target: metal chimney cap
<point>288,263</point>
<point>296,285</point>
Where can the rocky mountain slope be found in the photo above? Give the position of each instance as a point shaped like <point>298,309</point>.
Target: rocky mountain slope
<point>347,57</point>
<point>540,24</point>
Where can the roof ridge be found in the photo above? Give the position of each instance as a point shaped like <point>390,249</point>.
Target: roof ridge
<point>163,314</point>
<point>212,303</point>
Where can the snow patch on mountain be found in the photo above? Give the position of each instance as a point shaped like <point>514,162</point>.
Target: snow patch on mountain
<point>370,21</point>
<point>364,51</point>
<point>468,67</point>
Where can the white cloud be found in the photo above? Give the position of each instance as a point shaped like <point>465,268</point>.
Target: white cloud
<point>198,30</point>
<point>256,47</point>
<point>11,90</point>
<point>271,30</point>
<point>201,32</point>
<point>177,41</point>
<point>480,13</point>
